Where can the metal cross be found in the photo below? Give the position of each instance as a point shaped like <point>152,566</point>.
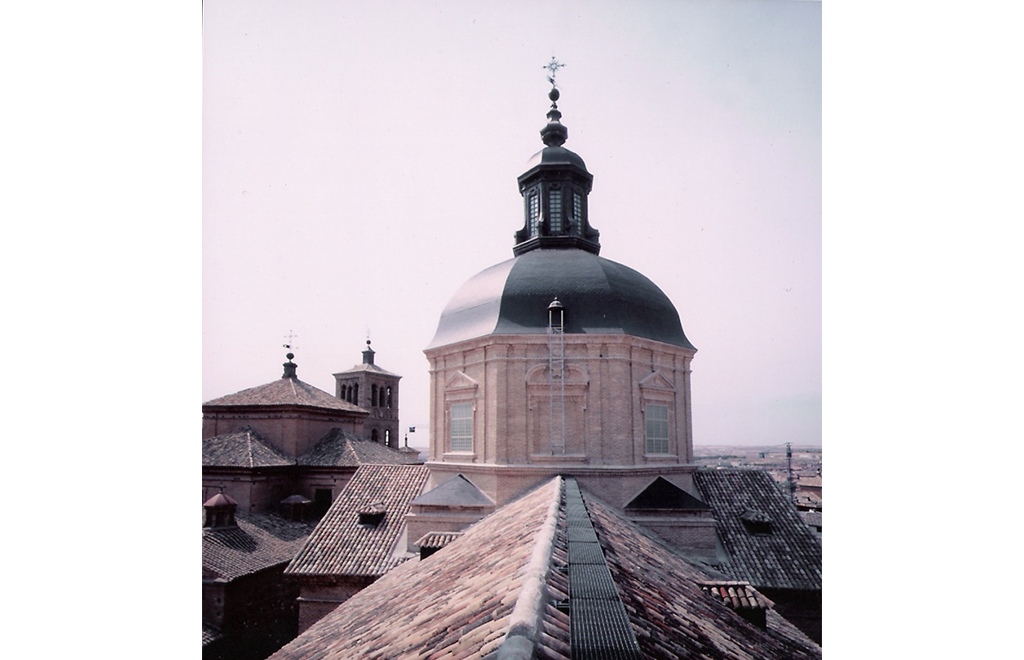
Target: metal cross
<point>290,337</point>
<point>553,66</point>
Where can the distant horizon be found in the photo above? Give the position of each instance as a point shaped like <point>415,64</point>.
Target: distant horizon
<point>696,444</point>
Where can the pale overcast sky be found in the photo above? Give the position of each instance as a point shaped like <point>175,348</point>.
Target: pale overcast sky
<point>360,164</point>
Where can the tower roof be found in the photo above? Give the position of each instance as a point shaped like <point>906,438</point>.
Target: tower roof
<point>367,365</point>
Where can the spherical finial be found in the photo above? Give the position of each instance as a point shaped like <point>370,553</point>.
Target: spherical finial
<point>554,94</point>
<point>290,355</point>
<point>367,343</point>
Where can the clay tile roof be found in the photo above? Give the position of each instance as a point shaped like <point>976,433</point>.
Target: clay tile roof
<point>456,604</point>
<point>220,499</point>
<point>257,543</point>
<point>286,392</point>
<point>502,585</point>
<point>341,448</point>
<point>340,545</point>
<point>372,368</point>
<point>672,615</point>
<point>244,448</point>
<point>736,595</point>
<point>789,557</point>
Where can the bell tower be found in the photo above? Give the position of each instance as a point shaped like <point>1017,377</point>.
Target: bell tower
<point>375,390</point>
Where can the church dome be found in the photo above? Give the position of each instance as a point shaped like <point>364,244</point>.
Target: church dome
<point>556,256</point>
<point>600,296</point>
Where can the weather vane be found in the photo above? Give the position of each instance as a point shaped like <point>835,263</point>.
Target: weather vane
<point>553,66</point>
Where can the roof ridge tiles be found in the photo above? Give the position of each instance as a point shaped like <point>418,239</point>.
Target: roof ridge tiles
<point>526,623</point>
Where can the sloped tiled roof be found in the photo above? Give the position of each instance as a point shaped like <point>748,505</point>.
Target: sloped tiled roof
<point>341,448</point>
<point>499,584</point>
<point>372,368</point>
<point>456,604</point>
<point>671,614</point>
<point>244,448</point>
<point>211,634</point>
<point>286,392</point>
<point>340,545</point>
<point>810,482</point>
<point>258,542</point>
<point>789,557</point>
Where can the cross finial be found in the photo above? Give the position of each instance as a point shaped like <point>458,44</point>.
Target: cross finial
<point>289,338</point>
<point>553,66</point>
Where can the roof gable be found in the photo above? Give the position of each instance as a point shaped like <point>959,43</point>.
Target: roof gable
<point>661,494</point>
<point>456,492</point>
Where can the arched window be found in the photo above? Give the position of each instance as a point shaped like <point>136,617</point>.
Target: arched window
<point>389,397</point>
<point>387,437</point>
<point>374,435</point>
<point>355,394</point>
<point>373,396</point>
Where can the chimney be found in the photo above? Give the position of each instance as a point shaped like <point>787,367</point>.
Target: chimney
<point>220,511</point>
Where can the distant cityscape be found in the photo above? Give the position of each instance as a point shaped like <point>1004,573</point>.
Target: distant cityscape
<point>803,460</point>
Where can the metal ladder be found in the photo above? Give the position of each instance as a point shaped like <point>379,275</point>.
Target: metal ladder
<point>556,382</point>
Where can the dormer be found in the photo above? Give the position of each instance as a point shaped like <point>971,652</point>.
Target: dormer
<point>220,511</point>
<point>757,522</point>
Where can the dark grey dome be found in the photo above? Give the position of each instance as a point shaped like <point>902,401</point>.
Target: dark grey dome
<point>555,156</point>
<point>600,297</point>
